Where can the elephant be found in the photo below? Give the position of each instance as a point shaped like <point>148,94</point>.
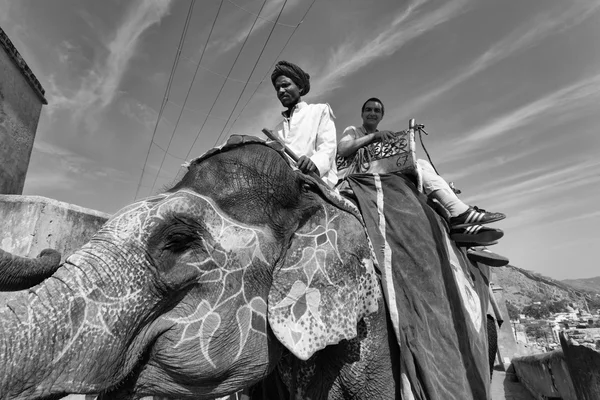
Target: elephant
<point>18,273</point>
<point>244,267</point>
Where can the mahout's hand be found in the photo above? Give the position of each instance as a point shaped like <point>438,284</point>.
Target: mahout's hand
<point>306,165</point>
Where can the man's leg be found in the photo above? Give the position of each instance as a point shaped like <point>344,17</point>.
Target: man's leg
<point>461,214</point>
<point>437,188</point>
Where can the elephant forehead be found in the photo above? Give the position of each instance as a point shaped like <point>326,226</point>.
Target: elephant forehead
<point>136,222</point>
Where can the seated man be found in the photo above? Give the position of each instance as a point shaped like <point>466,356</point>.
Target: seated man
<point>307,129</point>
<point>465,221</point>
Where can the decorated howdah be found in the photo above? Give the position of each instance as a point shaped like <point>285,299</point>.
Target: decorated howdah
<point>397,155</point>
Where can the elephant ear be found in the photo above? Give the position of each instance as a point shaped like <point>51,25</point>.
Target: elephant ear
<point>325,284</point>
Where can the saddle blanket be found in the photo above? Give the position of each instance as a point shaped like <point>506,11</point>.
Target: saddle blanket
<point>437,299</point>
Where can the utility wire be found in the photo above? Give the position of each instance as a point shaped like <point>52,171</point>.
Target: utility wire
<point>258,15</point>
<point>253,68</point>
<point>267,74</point>
<point>216,73</point>
<point>196,111</point>
<point>167,90</point>
<point>189,90</point>
<point>224,82</point>
<point>167,152</point>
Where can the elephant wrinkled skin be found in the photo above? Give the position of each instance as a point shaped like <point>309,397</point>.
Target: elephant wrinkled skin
<point>243,268</point>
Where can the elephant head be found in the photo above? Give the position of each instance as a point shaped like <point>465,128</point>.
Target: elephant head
<point>196,291</point>
<point>18,273</point>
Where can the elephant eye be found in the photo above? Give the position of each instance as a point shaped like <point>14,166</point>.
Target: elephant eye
<point>179,242</point>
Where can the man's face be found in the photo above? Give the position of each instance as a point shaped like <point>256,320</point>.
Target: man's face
<point>372,114</point>
<point>287,91</point>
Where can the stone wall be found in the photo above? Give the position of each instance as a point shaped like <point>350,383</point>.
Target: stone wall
<point>545,376</point>
<point>33,223</point>
<point>20,107</point>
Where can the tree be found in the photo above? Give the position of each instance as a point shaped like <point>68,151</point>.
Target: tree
<point>513,311</point>
<point>557,306</point>
<point>535,331</point>
<point>537,311</point>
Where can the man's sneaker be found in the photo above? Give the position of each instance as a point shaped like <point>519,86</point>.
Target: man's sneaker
<point>484,256</point>
<point>475,216</point>
<point>476,234</point>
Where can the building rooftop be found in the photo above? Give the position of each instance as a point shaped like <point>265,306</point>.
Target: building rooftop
<point>14,55</point>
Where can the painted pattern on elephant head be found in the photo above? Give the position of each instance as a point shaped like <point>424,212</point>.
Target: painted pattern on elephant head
<point>333,287</point>
<point>104,305</point>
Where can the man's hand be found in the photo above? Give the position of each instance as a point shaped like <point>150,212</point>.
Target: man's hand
<point>306,165</point>
<point>384,136</point>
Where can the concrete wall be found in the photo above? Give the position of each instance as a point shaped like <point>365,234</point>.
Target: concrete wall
<point>584,367</point>
<point>30,224</point>
<point>507,344</point>
<point>20,108</point>
<point>546,376</point>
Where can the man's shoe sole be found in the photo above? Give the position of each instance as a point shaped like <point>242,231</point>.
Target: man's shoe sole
<point>489,221</point>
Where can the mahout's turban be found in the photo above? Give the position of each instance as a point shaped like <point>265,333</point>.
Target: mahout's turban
<point>295,73</point>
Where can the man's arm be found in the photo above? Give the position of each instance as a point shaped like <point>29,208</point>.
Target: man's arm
<point>348,145</point>
<point>325,142</point>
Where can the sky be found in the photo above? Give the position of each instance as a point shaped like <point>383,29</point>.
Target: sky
<point>509,92</point>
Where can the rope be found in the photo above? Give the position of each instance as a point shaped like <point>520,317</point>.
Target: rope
<point>421,130</point>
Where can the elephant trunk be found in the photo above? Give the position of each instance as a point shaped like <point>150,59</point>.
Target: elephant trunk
<point>18,273</point>
<point>80,331</point>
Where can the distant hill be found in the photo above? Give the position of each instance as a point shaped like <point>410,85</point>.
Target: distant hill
<point>522,287</point>
<point>589,284</point>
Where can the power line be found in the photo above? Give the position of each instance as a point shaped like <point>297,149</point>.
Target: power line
<point>167,152</point>
<point>258,16</point>
<point>253,68</point>
<point>216,73</point>
<point>167,90</point>
<point>189,89</point>
<point>267,74</point>
<point>224,82</point>
<point>196,111</point>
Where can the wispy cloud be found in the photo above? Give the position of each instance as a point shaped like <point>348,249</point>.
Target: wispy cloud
<point>561,179</point>
<point>139,112</point>
<point>504,159</point>
<point>563,104</point>
<point>266,18</point>
<point>353,54</point>
<point>543,216</point>
<point>580,217</point>
<point>527,36</point>
<point>73,163</point>
<point>100,86</point>
<point>562,101</point>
